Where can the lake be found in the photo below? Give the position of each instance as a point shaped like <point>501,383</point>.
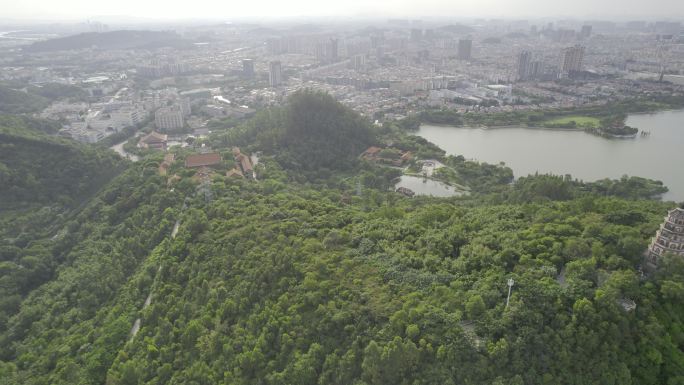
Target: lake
<point>659,156</point>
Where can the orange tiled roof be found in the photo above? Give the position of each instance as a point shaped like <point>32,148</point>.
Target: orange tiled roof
<point>199,160</point>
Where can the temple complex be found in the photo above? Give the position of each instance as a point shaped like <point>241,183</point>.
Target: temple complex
<point>668,239</point>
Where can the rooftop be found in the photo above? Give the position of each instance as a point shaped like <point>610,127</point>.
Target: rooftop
<point>200,160</point>
<point>154,137</point>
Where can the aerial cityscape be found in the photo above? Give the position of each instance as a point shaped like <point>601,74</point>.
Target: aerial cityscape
<point>385,70</point>
<point>366,193</point>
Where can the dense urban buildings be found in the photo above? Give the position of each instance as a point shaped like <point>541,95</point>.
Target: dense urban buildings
<point>385,70</point>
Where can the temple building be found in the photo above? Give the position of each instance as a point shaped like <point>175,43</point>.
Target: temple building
<point>668,239</point>
<point>153,140</point>
<point>243,162</point>
<point>203,160</point>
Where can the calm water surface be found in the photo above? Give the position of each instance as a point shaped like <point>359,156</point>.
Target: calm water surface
<point>659,156</point>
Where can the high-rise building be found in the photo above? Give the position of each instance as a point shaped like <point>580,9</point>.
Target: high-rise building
<point>668,239</point>
<point>275,74</point>
<point>327,51</point>
<point>248,68</point>
<point>169,118</point>
<point>586,31</point>
<point>536,69</point>
<point>376,40</point>
<point>416,34</point>
<point>274,46</point>
<point>465,48</point>
<point>333,47</point>
<point>564,35</point>
<point>292,44</point>
<point>319,52</point>
<point>359,62</point>
<point>524,65</point>
<point>379,52</point>
<point>571,60</point>
<point>185,107</point>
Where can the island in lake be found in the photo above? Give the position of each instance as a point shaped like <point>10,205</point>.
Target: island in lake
<point>612,126</point>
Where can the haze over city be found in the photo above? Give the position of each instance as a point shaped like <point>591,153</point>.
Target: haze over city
<point>274,9</point>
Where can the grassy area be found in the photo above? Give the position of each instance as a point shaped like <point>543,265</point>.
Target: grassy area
<point>580,121</point>
<point>587,117</point>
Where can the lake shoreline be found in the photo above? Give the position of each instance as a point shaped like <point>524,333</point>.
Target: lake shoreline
<point>503,126</point>
<point>524,117</point>
<point>529,150</point>
<point>605,136</point>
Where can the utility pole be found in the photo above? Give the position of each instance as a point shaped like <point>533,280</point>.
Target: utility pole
<point>510,286</point>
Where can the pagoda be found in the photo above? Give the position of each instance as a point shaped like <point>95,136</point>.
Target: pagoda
<point>668,239</point>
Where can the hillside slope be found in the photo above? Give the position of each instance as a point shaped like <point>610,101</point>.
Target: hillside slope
<point>15,101</point>
<point>36,168</point>
<point>275,284</point>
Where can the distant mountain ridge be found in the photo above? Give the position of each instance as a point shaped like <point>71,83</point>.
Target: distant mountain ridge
<point>111,40</point>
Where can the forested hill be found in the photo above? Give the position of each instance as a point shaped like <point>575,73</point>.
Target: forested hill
<point>312,132</point>
<point>19,99</point>
<point>16,101</point>
<point>37,168</point>
<point>275,283</point>
<point>284,280</point>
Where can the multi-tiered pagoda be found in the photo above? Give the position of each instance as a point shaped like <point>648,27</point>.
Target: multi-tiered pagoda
<point>668,239</point>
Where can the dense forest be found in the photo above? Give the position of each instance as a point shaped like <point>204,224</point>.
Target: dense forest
<point>311,132</point>
<point>16,101</point>
<point>18,98</point>
<point>317,273</point>
<point>36,168</point>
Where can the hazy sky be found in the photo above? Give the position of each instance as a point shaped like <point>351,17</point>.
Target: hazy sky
<point>232,9</point>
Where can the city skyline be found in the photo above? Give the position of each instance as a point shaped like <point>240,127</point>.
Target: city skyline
<point>270,10</point>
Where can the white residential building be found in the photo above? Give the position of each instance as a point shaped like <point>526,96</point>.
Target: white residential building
<point>169,118</point>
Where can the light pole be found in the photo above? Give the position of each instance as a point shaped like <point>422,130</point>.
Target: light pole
<point>511,282</point>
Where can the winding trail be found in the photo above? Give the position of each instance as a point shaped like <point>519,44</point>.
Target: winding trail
<point>255,160</point>
<point>120,150</point>
<point>175,230</point>
<point>136,325</point>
